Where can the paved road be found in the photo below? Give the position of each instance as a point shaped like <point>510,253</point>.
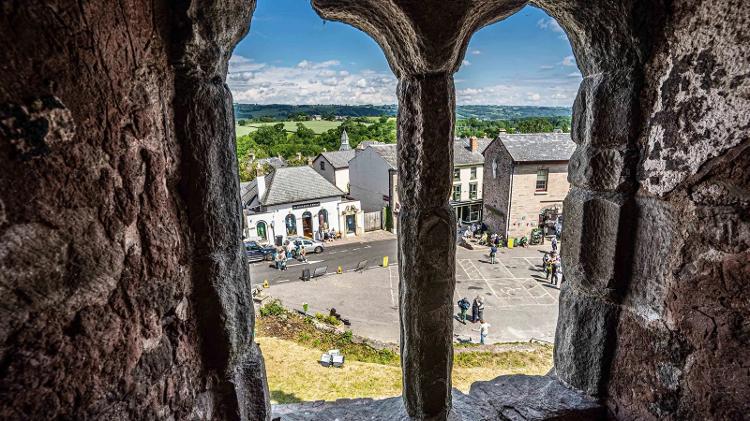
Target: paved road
<point>345,255</point>
<point>520,304</point>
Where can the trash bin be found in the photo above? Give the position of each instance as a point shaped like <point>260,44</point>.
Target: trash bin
<point>279,240</point>
<point>510,243</point>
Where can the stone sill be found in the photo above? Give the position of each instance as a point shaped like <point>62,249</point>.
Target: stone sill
<point>516,397</point>
<point>541,193</point>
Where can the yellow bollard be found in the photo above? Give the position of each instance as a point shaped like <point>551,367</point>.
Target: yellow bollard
<point>385,261</point>
<point>265,283</point>
<point>510,243</point>
<point>340,271</point>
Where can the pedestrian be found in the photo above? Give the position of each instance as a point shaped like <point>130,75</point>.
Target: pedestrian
<point>280,260</point>
<point>475,310</point>
<point>480,308</point>
<point>558,275</point>
<point>290,249</point>
<point>493,253</point>
<point>303,253</point>
<point>484,330</point>
<point>554,243</point>
<point>548,267</point>
<point>463,305</point>
<point>545,264</point>
<point>554,267</point>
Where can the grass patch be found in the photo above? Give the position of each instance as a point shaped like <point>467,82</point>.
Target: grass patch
<point>318,126</point>
<point>292,347</point>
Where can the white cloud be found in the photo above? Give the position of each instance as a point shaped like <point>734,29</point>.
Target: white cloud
<point>568,61</point>
<point>476,52</point>
<point>574,75</point>
<point>546,67</point>
<point>329,83</point>
<point>307,82</point>
<point>550,24</point>
<point>466,63</point>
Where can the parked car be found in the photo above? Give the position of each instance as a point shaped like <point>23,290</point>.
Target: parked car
<point>311,246</point>
<point>256,252</point>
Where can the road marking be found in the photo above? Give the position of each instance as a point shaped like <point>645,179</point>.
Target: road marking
<point>355,249</point>
<point>309,262</point>
<point>367,247</point>
<point>460,262</point>
<point>506,268</point>
<point>281,281</point>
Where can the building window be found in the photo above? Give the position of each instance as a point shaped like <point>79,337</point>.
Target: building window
<point>473,191</point>
<point>322,165</point>
<point>541,179</point>
<point>457,192</point>
<point>473,173</point>
<point>457,175</point>
<point>291,225</point>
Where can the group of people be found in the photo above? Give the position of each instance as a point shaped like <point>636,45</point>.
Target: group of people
<point>328,234</point>
<point>290,251</point>
<point>477,315</point>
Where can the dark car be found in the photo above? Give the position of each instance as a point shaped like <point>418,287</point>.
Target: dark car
<point>256,253</point>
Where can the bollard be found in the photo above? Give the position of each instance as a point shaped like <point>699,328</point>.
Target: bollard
<point>339,270</point>
<point>385,261</point>
<point>265,283</point>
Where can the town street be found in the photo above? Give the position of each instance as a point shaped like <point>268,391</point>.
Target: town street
<point>519,303</point>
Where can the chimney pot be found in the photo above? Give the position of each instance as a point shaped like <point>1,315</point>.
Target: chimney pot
<point>474,143</point>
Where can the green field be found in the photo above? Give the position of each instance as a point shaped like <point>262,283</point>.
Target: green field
<point>316,126</point>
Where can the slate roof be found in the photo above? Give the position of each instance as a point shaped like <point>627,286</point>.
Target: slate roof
<point>538,147</point>
<point>297,184</point>
<point>248,192</point>
<point>339,159</point>
<point>387,152</point>
<point>462,154</point>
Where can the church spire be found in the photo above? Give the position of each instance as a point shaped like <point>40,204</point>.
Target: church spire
<point>344,141</point>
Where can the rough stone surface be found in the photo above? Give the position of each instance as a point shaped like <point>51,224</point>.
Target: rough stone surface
<point>122,294</point>
<point>427,275</point>
<point>516,398</point>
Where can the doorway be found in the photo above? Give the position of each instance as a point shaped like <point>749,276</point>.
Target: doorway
<point>260,231</point>
<point>307,225</point>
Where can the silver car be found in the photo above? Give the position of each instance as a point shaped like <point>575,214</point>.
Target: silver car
<point>311,246</point>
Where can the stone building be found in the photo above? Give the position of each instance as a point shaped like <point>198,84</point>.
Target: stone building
<point>525,182</point>
<point>374,178</point>
<point>124,290</point>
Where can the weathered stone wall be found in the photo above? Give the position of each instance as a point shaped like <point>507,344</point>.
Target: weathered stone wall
<point>113,243</point>
<point>496,194</point>
<point>684,335</point>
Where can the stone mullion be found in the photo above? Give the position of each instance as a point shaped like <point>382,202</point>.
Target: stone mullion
<point>600,218</point>
<point>426,242</point>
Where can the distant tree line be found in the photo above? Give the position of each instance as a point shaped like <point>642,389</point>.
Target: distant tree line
<point>273,140</point>
<point>492,128</point>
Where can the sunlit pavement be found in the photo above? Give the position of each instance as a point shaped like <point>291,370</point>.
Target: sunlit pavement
<point>519,303</point>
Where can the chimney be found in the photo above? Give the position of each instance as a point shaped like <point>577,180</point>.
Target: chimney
<point>261,180</point>
<point>473,143</point>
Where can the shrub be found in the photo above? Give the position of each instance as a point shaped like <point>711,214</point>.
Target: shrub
<point>328,319</point>
<point>273,308</point>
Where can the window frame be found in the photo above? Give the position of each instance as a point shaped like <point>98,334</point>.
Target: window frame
<point>545,187</point>
<point>457,174</point>
<point>322,165</point>
<point>456,189</point>
<point>473,194</point>
<point>474,172</point>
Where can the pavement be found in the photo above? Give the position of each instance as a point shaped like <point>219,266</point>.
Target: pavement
<point>519,304</point>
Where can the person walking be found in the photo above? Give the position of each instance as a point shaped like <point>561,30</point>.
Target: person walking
<point>554,267</point>
<point>463,305</point>
<point>480,308</point>
<point>475,310</point>
<point>290,250</point>
<point>545,264</point>
<point>493,254</point>
<point>484,331</point>
<point>302,253</point>
<point>548,267</point>
<point>554,244</point>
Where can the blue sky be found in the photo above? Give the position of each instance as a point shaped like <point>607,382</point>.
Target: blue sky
<point>292,56</point>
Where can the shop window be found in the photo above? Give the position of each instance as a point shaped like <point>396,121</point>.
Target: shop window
<point>542,177</point>
<point>291,225</point>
